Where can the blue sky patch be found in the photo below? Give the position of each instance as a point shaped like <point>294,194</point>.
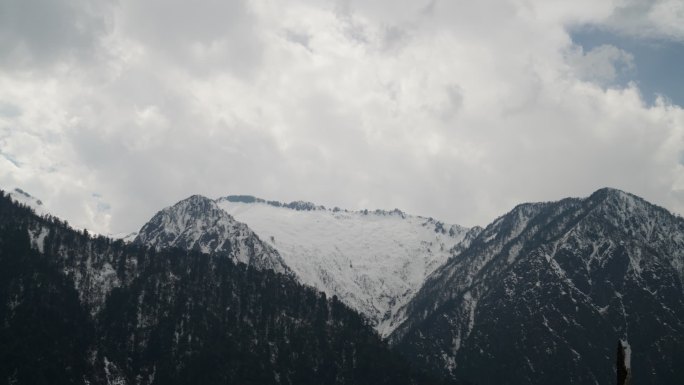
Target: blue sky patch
<point>658,63</point>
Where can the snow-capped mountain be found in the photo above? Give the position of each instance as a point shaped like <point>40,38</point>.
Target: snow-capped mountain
<point>373,261</point>
<point>197,223</point>
<point>544,293</point>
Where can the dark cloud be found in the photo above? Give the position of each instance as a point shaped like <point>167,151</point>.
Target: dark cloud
<point>9,110</point>
<point>44,33</point>
<point>207,36</point>
<point>298,38</point>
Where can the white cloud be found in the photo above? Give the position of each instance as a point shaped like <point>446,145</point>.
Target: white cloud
<point>655,19</point>
<point>601,64</point>
<point>453,110</point>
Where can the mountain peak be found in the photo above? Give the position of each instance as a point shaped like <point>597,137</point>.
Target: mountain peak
<point>613,193</point>
<point>627,203</point>
<point>196,200</point>
<point>632,215</point>
<point>198,223</point>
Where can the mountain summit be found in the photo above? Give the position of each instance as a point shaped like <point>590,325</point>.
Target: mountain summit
<point>197,223</point>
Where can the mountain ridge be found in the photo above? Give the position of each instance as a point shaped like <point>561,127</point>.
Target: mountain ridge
<point>542,293</point>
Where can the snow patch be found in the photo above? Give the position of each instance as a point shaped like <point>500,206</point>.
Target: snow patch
<point>38,239</point>
<point>471,305</point>
<point>514,252</point>
<point>628,353</point>
<point>113,373</point>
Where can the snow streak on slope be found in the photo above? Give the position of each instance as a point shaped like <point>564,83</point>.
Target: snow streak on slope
<point>374,261</point>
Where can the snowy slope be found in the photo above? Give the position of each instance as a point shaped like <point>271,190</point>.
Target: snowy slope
<point>127,237</point>
<point>22,197</point>
<point>374,261</point>
<point>37,234</point>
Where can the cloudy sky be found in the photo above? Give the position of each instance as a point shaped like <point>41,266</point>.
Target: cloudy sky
<point>111,110</point>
